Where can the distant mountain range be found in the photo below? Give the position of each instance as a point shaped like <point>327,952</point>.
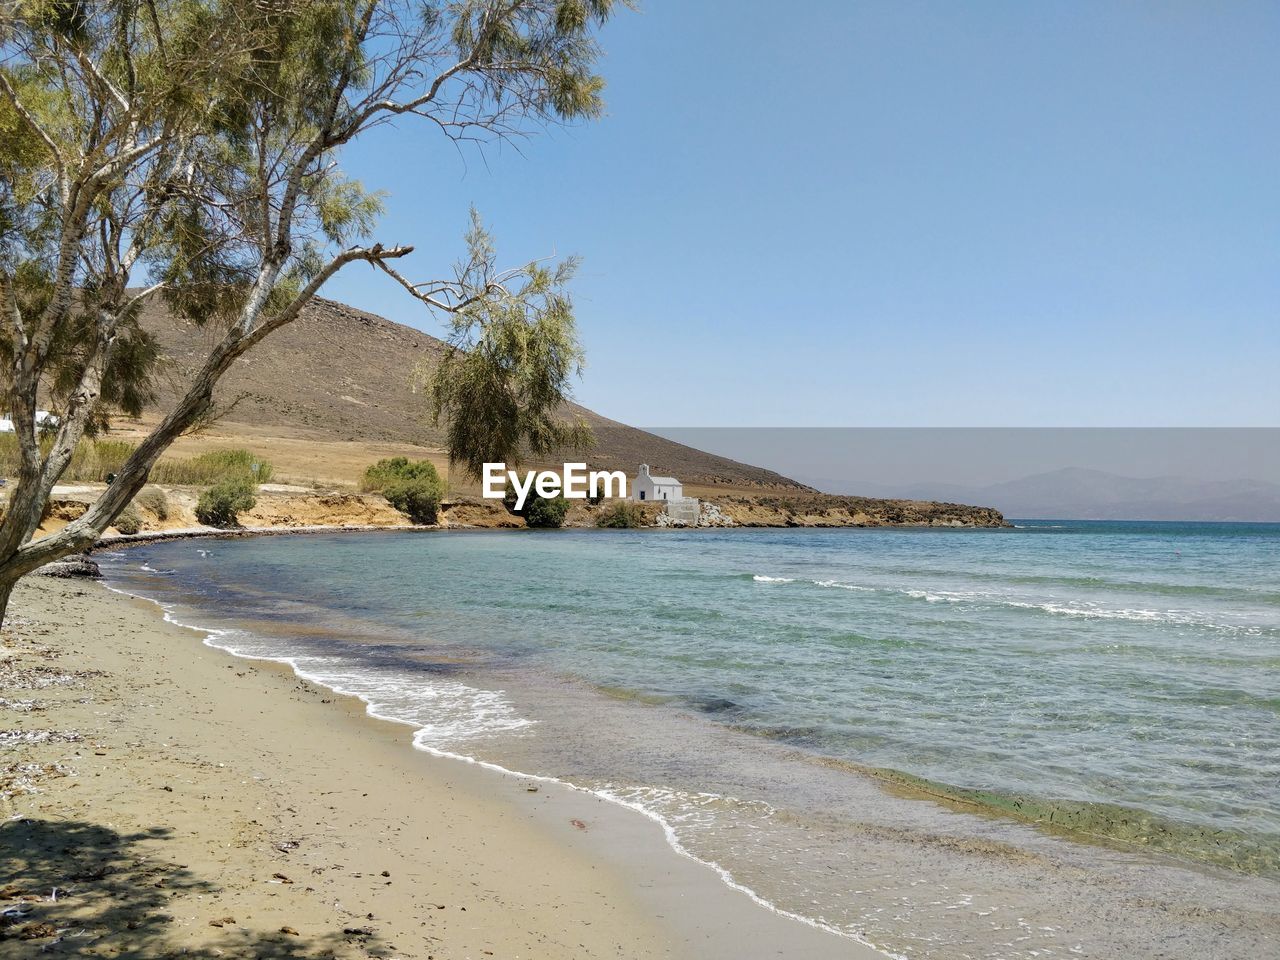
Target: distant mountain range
<point>1079,494</point>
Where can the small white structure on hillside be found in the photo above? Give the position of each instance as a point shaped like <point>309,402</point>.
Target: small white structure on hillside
<point>649,487</point>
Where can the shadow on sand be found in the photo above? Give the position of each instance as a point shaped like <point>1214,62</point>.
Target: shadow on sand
<point>83,889</point>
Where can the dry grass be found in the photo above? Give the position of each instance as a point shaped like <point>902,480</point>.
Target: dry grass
<point>94,460</point>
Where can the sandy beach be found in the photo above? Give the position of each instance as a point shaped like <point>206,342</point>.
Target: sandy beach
<point>164,798</point>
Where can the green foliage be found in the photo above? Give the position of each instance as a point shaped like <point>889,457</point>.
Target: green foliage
<point>222,504</point>
<point>377,476</point>
<point>155,502</point>
<point>545,511</point>
<point>418,499</point>
<point>129,521</point>
<point>346,211</point>
<point>214,466</point>
<point>413,487</point>
<point>502,384</point>
<point>128,380</point>
<point>622,515</point>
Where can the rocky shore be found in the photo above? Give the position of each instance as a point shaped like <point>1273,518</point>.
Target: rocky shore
<point>826,510</point>
<point>765,510</point>
<point>298,510</point>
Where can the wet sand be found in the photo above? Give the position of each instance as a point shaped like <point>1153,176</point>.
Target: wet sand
<point>162,797</point>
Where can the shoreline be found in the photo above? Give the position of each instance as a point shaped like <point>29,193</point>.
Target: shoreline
<point>119,541</point>
<point>599,860</point>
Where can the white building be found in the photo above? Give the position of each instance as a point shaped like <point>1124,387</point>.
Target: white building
<point>44,420</point>
<point>649,487</point>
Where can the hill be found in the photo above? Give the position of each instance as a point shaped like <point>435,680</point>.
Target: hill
<point>339,375</point>
<point>334,391</point>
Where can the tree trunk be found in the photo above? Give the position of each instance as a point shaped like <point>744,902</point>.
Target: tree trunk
<point>20,555</point>
<point>6,588</point>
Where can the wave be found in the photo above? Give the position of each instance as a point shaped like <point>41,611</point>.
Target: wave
<point>760,578</point>
<point>1081,608</point>
<point>1235,592</point>
<point>836,584</point>
<point>1085,609</point>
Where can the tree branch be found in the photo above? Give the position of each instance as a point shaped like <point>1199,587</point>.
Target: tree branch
<point>377,255</point>
<point>416,291</point>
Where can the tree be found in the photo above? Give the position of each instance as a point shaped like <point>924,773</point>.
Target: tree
<point>501,383</point>
<point>188,150</point>
<point>222,504</point>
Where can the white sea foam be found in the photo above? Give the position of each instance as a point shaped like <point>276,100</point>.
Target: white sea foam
<point>844,586</point>
<point>1083,609</point>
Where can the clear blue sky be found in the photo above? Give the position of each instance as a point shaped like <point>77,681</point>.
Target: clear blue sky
<point>896,214</point>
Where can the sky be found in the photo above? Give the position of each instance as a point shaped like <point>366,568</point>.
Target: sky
<point>893,214</point>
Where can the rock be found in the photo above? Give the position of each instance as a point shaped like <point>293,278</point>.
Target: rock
<point>713,516</point>
<point>75,566</point>
<point>37,931</point>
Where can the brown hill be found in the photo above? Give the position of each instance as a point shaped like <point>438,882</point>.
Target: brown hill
<point>340,376</point>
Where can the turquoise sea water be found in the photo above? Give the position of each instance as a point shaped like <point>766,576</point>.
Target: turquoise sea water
<point>1118,685</point>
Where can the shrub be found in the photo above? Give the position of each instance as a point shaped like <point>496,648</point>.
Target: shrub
<point>418,499</point>
<point>153,500</point>
<point>622,515</point>
<point>546,511</point>
<point>413,487</point>
<point>388,471</point>
<point>129,521</point>
<point>222,504</point>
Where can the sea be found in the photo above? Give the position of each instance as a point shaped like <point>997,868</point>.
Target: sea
<point>1056,740</point>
